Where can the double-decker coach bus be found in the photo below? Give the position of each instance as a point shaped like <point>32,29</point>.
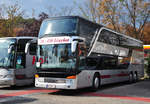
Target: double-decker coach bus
<point>75,53</point>
<point>17,61</point>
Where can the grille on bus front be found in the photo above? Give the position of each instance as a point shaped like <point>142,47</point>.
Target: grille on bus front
<point>54,75</point>
<point>48,80</point>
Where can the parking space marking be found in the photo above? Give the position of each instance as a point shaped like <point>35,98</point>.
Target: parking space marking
<point>119,97</point>
<point>19,93</point>
<point>28,92</point>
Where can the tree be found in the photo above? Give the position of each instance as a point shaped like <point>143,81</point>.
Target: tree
<point>146,32</point>
<point>42,16</point>
<point>137,15</point>
<point>2,11</point>
<point>32,26</point>
<point>14,18</point>
<point>90,10</point>
<point>125,16</point>
<point>111,13</point>
<point>14,13</point>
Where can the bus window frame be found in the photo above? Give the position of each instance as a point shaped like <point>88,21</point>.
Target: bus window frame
<point>31,52</point>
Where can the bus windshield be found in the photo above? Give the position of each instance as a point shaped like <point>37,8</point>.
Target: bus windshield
<point>56,56</point>
<point>6,58</point>
<point>58,27</point>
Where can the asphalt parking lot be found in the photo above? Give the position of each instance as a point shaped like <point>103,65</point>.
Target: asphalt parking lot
<point>120,93</point>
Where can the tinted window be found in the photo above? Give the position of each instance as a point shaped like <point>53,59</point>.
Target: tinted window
<point>20,60</point>
<point>108,37</point>
<point>21,45</point>
<point>32,49</point>
<point>91,61</point>
<point>109,63</point>
<point>82,54</point>
<point>87,30</point>
<point>125,42</point>
<point>123,62</point>
<point>58,27</point>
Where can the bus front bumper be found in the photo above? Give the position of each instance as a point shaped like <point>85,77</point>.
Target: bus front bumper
<point>6,81</point>
<point>69,84</point>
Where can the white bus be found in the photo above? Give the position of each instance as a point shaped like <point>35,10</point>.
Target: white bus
<point>75,53</point>
<point>17,61</point>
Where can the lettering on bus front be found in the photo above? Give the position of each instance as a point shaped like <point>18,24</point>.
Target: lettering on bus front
<point>54,40</point>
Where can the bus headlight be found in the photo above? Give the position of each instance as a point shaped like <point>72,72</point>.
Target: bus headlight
<point>69,81</point>
<point>8,76</point>
<point>36,76</point>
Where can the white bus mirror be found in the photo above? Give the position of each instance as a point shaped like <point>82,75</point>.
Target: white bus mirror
<point>27,48</point>
<point>37,64</point>
<point>73,46</point>
<point>10,48</point>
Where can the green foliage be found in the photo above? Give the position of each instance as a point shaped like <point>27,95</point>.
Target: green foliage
<point>148,67</point>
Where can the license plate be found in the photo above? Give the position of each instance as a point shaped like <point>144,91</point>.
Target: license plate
<point>50,86</point>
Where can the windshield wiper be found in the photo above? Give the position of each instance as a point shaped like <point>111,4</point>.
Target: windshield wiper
<point>6,67</point>
<point>45,35</point>
<point>68,34</point>
<point>57,34</point>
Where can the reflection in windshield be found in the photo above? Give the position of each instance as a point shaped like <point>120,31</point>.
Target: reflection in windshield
<point>56,56</point>
<point>6,59</point>
<point>58,27</point>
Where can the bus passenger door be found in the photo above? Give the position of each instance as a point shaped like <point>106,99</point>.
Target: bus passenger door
<point>30,61</point>
<point>82,77</point>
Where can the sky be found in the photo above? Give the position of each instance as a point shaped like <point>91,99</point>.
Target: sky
<point>39,5</point>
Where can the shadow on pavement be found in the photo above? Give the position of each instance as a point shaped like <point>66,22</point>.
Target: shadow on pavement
<point>140,89</point>
<point>17,87</point>
<point>79,92</point>
<point>17,100</point>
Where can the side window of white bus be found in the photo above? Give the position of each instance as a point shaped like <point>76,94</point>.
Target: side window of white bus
<point>20,56</point>
<point>109,63</point>
<point>32,49</point>
<point>108,37</point>
<point>20,60</point>
<point>82,56</point>
<point>123,62</point>
<point>92,62</point>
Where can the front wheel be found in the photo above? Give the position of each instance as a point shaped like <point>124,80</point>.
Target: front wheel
<point>135,77</point>
<point>131,78</point>
<point>96,82</point>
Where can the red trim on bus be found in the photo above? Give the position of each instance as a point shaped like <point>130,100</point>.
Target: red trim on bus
<point>20,76</point>
<point>117,75</point>
<point>141,50</point>
<point>41,60</point>
<point>122,75</point>
<point>33,60</point>
<point>105,76</point>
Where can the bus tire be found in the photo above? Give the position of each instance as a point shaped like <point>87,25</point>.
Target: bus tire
<point>131,79</point>
<point>135,77</point>
<point>96,82</point>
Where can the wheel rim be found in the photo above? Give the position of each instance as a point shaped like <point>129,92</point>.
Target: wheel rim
<point>135,77</point>
<point>130,78</point>
<point>96,82</point>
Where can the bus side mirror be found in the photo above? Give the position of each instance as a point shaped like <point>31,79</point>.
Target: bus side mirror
<point>10,48</point>
<point>73,46</point>
<point>27,48</point>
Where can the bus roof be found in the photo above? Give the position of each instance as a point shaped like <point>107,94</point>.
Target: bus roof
<point>21,37</point>
<point>65,17</point>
